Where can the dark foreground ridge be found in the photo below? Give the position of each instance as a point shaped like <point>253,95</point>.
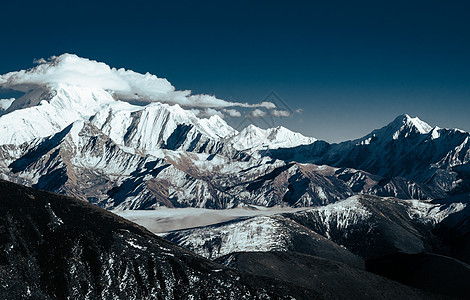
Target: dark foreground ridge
<point>431,272</point>
<point>334,279</point>
<point>56,247</point>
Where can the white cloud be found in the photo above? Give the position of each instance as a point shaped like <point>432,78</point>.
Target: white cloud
<point>232,112</point>
<point>125,84</point>
<point>39,61</point>
<point>268,105</point>
<point>299,110</point>
<point>206,113</point>
<point>257,113</point>
<point>209,112</point>
<point>280,113</point>
<point>195,111</point>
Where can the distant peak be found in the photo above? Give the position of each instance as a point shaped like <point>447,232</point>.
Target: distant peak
<point>216,118</point>
<point>252,127</point>
<point>410,122</point>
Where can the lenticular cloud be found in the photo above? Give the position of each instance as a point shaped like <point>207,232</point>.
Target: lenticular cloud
<point>124,84</point>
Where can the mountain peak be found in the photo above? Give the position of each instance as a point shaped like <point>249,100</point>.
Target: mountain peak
<point>416,123</point>
<point>402,127</point>
<point>253,137</point>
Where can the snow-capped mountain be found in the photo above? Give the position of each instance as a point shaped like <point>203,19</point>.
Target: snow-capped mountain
<point>69,88</point>
<point>161,126</point>
<point>76,137</point>
<point>255,138</point>
<point>46,111</point>
<point>407,147</point>
<point>85,136</point>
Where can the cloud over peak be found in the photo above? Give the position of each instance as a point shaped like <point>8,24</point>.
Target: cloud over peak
<point>125,84</point>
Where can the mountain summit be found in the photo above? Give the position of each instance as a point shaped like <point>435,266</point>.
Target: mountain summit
<point>403,126</point>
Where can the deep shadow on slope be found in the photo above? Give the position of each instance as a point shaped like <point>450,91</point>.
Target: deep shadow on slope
<point>431,272</point>
<point>334,279</point>
<point>387,229</point>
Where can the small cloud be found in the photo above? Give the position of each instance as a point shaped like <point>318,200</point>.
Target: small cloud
<point>39,61</point>
<point>257,113</point>
<point>280,113</point>
<point>232,112</point>
<point>299,110</point>
<point>196,112</point>
<point>206,113</point>
<point>266,104</point>
<point>209,112</point>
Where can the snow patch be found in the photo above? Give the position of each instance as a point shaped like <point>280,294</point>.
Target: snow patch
<point>432,213</point>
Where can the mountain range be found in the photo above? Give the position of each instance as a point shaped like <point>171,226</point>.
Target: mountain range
<point>401,190</point>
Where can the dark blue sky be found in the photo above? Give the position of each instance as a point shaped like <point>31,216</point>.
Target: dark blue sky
<point>352,66</point>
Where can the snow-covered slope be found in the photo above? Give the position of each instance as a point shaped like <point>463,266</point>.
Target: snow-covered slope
<point>5,104</point>
<point>263,233</point>
<point>68,88</point>
<point>46,111</point>
<point>372,226</point>
<point>158,126</point>
<point>252,137</point>
<point>369,226</point>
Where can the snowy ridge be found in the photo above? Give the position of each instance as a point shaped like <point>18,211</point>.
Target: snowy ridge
<point>5,103</point>
<point>255,234</point>
<point>432,213</point>
<point>342,214</point>
<point>252,137</point>
<point>365,225</point>
<point>406,148</point>
<point>403,126</point>
<point>149,128</point>
<point>262,233</point>
<point>44,112</point>
<point>413,124</point>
